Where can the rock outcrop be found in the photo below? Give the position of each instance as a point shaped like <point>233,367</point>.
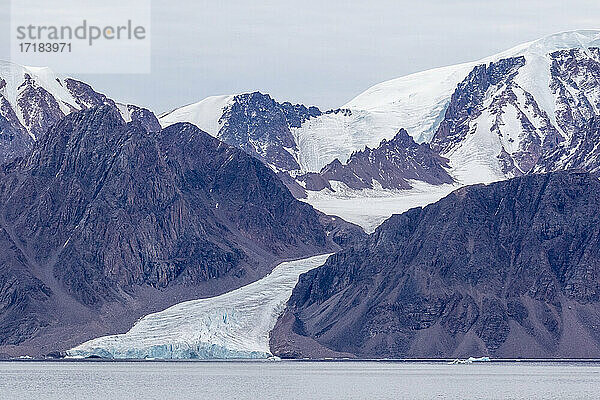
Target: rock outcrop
<point>106,222</point>
<point>392,165</point>
<point>510,269</point>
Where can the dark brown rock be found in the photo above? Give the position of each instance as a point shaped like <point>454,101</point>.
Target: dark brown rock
<point>106,222</point>
<point>509,269</point>
<point>393,164</point>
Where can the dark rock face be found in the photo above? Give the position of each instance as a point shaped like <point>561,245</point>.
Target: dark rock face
<point>392,164</point>
<point>103,212</point>
<point>23,297</point>
<point>85,96</point>
<point>260,126</point>
<point>510,269</point>
<point>341,232</point>
<point>293,186</point>
<point>581,152</point>
<point>15,141</point>
<point>315,181</point>
<point>514,113</point>
<point>145,117</point>
<point>39,109</point>
<point>574,82</point>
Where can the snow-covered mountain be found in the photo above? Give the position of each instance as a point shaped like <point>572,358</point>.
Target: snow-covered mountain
<point>32,99</point>
<point>502,110</point>
<point>535,84</point>
<point>528,109</point>
<point>505,117</point>
<point>254,122</point>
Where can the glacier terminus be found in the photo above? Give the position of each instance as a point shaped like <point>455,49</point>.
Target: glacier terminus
<point>233,325</point>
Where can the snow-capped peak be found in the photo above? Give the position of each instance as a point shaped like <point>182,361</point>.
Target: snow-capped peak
<point>205,114</point>
<point>415,101</point>
<point>14,76</point>
<point>576,39</point>
<point>32,99</point>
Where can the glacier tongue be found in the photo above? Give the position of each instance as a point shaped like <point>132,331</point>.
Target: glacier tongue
<point>236,324</point>
<point>368,208</point>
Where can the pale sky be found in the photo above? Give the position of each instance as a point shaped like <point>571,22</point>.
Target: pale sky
<point>321,52</point>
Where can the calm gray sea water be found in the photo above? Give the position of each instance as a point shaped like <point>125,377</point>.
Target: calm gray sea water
<point>297,380</point>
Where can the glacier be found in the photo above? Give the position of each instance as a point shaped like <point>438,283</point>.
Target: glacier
<point>368,208</point>
<point>235,325</point>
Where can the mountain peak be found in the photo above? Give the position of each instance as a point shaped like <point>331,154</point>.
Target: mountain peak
<point>582,38</point>
<point>33,99</point>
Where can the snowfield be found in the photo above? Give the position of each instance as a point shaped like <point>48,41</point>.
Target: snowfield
<point>233,325</point>
<point>205,114</point>
<point>368,208</point>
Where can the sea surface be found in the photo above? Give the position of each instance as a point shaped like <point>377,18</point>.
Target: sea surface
<point>298,380</point>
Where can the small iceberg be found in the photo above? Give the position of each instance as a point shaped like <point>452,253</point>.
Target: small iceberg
<point>469,360</point>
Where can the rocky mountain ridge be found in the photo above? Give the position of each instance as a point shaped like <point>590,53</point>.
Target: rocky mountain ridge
<point>33,99</point>
<point>107,221</point>
<point>392,165</point>
<point>508,269</point>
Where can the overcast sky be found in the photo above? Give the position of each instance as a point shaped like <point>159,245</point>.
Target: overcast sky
<point>323,52</point>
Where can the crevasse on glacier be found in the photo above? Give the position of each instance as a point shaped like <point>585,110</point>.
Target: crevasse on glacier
<point>233,325</point>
